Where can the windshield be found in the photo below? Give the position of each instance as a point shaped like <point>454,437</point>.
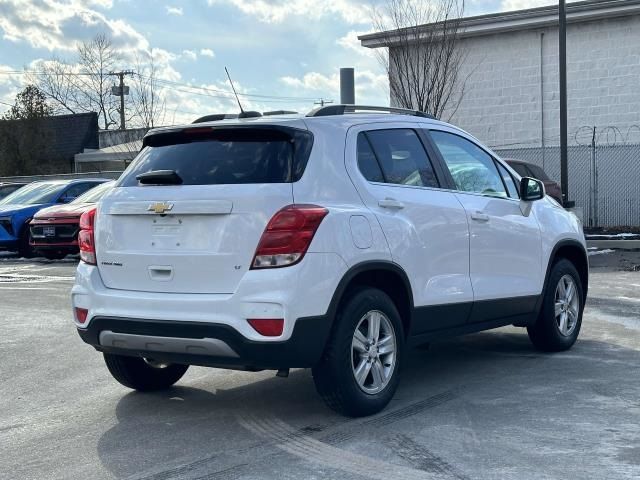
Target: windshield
<point>95,194</point>
<point>34,194</point>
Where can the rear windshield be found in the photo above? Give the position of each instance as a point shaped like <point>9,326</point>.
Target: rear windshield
<point>539,173</point>
<point>224,155</point>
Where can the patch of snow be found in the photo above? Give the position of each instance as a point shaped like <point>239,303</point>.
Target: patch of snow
<point>601,252</point>
<point>617,236</point>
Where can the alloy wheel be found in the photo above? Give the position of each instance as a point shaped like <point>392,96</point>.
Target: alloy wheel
<point>567,305</point>
<point>373,352</point>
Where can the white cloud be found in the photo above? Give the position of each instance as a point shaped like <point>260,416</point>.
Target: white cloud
<point>190,54</point>
<point>350,42</point>
<point>509,5</point>
<point>57,25</point>
<point>174,10</point>
<point>207,52</point>
<point>277,11</point>
<point>369,85</point>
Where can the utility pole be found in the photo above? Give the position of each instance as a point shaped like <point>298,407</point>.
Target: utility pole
<point>564,168</point>
<point>322,102</point>
<point>121,91</point>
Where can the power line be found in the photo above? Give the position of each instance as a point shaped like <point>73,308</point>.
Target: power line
<point>166,82</point>
<point>227,92</point>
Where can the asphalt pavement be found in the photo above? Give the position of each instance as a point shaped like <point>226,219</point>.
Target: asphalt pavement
<point>484,406</point>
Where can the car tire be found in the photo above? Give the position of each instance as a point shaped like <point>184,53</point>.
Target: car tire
<point>25,250</point>
<point>359,371</point>
<point>143,374</point>
<point>558,325</point>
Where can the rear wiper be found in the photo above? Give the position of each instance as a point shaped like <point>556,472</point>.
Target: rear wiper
<point>159,177</point>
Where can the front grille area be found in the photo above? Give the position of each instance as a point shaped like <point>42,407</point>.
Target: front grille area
<point>63,233</point>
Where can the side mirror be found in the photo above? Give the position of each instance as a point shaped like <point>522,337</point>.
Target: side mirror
<point>531,189</point>
<point>65,199</point>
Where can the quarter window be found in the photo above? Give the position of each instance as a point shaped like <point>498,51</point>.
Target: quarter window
<point>508,181</point>
<point>472,169</point>
<point>400,156</point>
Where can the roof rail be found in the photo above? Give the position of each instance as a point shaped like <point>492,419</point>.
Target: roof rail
<point>344,109</point>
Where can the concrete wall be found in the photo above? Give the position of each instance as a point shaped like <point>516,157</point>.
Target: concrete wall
<point>502,103</point>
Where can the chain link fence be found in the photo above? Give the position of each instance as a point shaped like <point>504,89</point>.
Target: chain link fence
<point>604,179</point>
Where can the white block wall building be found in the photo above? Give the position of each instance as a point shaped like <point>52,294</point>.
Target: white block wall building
<point>512,93</point>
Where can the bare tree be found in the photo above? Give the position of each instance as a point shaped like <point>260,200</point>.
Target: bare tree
<point>56,79</point>
<point>98,59</point>
<point>424,55</point>
<point>149,108</point>
<point>84,85</point>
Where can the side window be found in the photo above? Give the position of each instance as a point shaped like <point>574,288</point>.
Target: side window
<point>402,157</point>
<point>78,189</point>
<point>472,169</point>
<point>512,189</point>
<point>367,162</point>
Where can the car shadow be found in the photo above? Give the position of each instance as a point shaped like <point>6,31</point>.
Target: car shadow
<point>188,431</point>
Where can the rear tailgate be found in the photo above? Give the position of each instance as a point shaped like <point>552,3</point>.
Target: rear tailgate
<point>198,237</point>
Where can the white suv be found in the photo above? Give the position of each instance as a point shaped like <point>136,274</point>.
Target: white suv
<point>333,241</point>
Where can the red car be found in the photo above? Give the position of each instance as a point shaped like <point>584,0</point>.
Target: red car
<point>526,169</point>
<point>54,230</point>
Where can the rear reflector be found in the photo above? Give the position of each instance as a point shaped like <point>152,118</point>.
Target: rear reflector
<point>288,235</point>
<point>81,314</point>
<point>267,327</point>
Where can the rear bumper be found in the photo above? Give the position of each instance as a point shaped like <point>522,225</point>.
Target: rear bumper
<point>300,294</point>
<point>207,344</point>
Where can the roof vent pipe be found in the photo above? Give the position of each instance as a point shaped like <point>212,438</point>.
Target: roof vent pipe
<point>347,86</point>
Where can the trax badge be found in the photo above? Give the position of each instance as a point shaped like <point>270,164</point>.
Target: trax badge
<point>160,207</point>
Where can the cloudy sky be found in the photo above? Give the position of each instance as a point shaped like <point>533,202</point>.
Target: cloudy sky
<point>283,54</point>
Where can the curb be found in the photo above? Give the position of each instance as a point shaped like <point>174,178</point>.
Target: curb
<point>614,244</point>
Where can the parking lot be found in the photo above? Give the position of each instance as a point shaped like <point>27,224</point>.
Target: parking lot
<point>485,406</point>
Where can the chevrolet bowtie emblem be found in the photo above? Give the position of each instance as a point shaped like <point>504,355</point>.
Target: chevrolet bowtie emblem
<point>160,207</point>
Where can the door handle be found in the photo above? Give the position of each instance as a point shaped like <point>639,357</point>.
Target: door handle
<point>391,203</point>
<point>480,217</point>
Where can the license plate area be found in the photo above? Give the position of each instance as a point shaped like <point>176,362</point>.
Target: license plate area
<point>166,233</point>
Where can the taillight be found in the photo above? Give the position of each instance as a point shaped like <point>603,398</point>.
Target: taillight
<point>86,240</point>
<point>288,235</point>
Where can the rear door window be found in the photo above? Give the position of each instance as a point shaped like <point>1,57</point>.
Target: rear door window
<point>401,157</point>
<point>223,155</point>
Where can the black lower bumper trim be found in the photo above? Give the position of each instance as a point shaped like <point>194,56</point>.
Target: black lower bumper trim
<point>302,350</point>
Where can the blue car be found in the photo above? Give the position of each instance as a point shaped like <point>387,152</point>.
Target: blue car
<point>17,209</point>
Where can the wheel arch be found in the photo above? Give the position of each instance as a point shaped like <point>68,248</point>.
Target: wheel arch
<point>384,275</point>
<point>575,252</point>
